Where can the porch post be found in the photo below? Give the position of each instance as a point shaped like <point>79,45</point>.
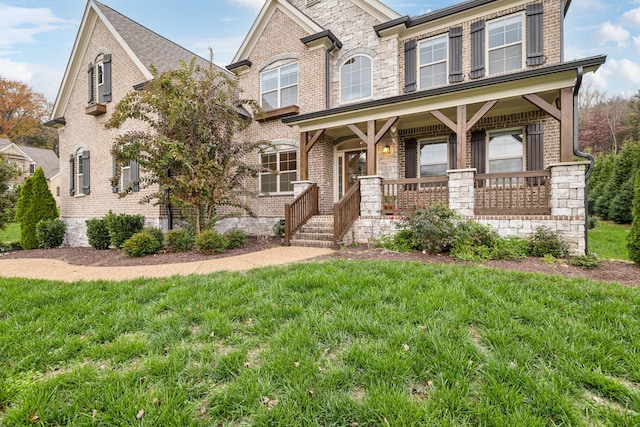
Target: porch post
<point>461,135</point>
<point>370,195</point>
<point>371,147</point>
<point>566,124</point>
<point>304,158</point>
<point>461,191</point>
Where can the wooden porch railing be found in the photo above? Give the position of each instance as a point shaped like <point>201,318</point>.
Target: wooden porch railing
<point>513,193</point>
<point>298,212</point>
<point>404,194</point>
<point>346,211</point>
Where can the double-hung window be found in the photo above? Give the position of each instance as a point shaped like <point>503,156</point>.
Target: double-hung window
<point>279,173</point>
<point>505,44</point>
<point>506,150</point>
<point>355,78</point>
<point>433,158</point>
<point>279,87</point>
<point>433,62</point>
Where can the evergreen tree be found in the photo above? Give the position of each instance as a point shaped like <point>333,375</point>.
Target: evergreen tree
<point>633,238</point>
<point>8,195</point>
<point>615,201</point>
<point>36,203</point>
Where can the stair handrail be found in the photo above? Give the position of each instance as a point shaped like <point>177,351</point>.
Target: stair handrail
<point>346,211</point>
<point>298,212</point>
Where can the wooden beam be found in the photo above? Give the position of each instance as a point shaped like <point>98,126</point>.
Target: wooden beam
<point>445,120</point>
<point>358,132</point>
<point>544,105</point>
<point>371,147</point>
<point>461,137</point>
<point>481,112</point>
<point>314,139</point>
<point>304,157</point>
<point>566,124</point>
<point>385,128</point>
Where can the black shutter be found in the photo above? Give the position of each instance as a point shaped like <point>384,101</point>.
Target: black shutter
<point>410,66</point>
<point>535,147</point>
<point>477,49</point>
<point>455,55</point>
<point>453,151</point>
<point>90,83</point>
<point>535,36</point>
<point>479,151</point>
<point>86,175</point>
<point>106,76</point>
<point>115,182</point>
<point>72,175</point>
<point>135,175</point>
<point>411,158</point>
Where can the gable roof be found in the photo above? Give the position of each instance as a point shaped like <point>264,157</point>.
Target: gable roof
<point>144,47</point>
<point>44,158</point>
<point>375,8</point>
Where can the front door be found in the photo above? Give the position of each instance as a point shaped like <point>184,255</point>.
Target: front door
<point>351,165</point>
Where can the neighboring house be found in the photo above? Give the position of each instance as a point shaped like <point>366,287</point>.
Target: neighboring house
<point>367,113</point>
<point>110,56</point>
<point>28,159</point>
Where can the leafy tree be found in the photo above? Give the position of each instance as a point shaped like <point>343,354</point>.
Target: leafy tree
<point>190,154</point>
<point>22,111</point>
<point>633,238</point>
<point>36,203</point>
<point>604,121</point>
<point>8,195</point>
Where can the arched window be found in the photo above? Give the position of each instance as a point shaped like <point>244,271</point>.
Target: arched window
<point>355,78</point>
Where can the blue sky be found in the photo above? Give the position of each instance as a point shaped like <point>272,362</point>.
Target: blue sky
<point>36,36</point>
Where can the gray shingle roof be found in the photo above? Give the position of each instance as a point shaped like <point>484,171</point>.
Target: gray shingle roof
<point>4,142</point>
<point>148,46</point>
<point>46,159</point>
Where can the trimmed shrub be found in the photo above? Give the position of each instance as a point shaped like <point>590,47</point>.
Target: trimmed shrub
<point>592,222</point>
<point>122,227</point>
<point>511,247</point>
<point>211,242</point>
<point>236,239</point>
<point>402,241</point>
<point>473,241</point>
<point>36,203</point>
<point>633,238</point>
<point>178,240</point>
<point>431,228</point>
<point>50,233</point>
<point>10,246</point>
<point>141,244</point>
<point>547,242</point>
<point>98,233</point>
<point>589,260</point>
<point>278,228</point>
<point>155,232</point>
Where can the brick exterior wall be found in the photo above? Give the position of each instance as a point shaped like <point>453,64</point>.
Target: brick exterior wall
<point>86,132</point>
<point>552,24</point>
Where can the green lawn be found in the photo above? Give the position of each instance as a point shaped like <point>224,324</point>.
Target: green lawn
<point>337,343</point>
<point>609,240</point>
<point>11,233</point>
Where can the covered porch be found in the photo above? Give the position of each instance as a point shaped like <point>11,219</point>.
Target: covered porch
<point>397,173</point>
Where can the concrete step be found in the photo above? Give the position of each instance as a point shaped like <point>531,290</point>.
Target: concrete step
<point>312,243</point>
<point>303,235</point>
<point>316,229</point>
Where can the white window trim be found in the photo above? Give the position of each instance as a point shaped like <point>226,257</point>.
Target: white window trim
<point>122,169</point>
<point>446,60</point>
<point>79,176</point>
<point>421,142</point>
<point>364,98</point>
<point>279,88</point>
<point>524,148</point>
<point>99,74</point>
<point>522,42</point>
<point>277,150</point>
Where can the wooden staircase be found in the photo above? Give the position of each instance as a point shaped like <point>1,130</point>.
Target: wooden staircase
<point>316,233</point>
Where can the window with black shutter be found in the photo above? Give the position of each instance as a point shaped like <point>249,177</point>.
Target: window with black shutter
<point>91,97</point>
<point>477,49</point>
<point>455,55</point>
<point>411,158</point>
<point>453,151</point>
<point>106,78</point>
<point>72,175</point>
<point>479,151</point>
<point>410,66</point>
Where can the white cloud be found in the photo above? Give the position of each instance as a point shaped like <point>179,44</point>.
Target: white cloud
<point>617,77</point>
<point>611,33</point>
<point>254,5</point>
<point>632,17</point>
<point>636,42</point>
<point>21,25</point>
<point>588,4</point>
<point>39,77</point>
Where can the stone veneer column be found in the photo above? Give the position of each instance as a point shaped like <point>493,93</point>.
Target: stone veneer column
<point>461,191</point>
<point>371,195</point>
<point>567,189</point>
<point>299,187</point>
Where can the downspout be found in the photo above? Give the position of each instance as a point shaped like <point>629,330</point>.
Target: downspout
<point>587,156</point>
<point>327,77</point>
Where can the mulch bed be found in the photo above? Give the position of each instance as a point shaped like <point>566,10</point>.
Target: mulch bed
<point>609,271</point>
